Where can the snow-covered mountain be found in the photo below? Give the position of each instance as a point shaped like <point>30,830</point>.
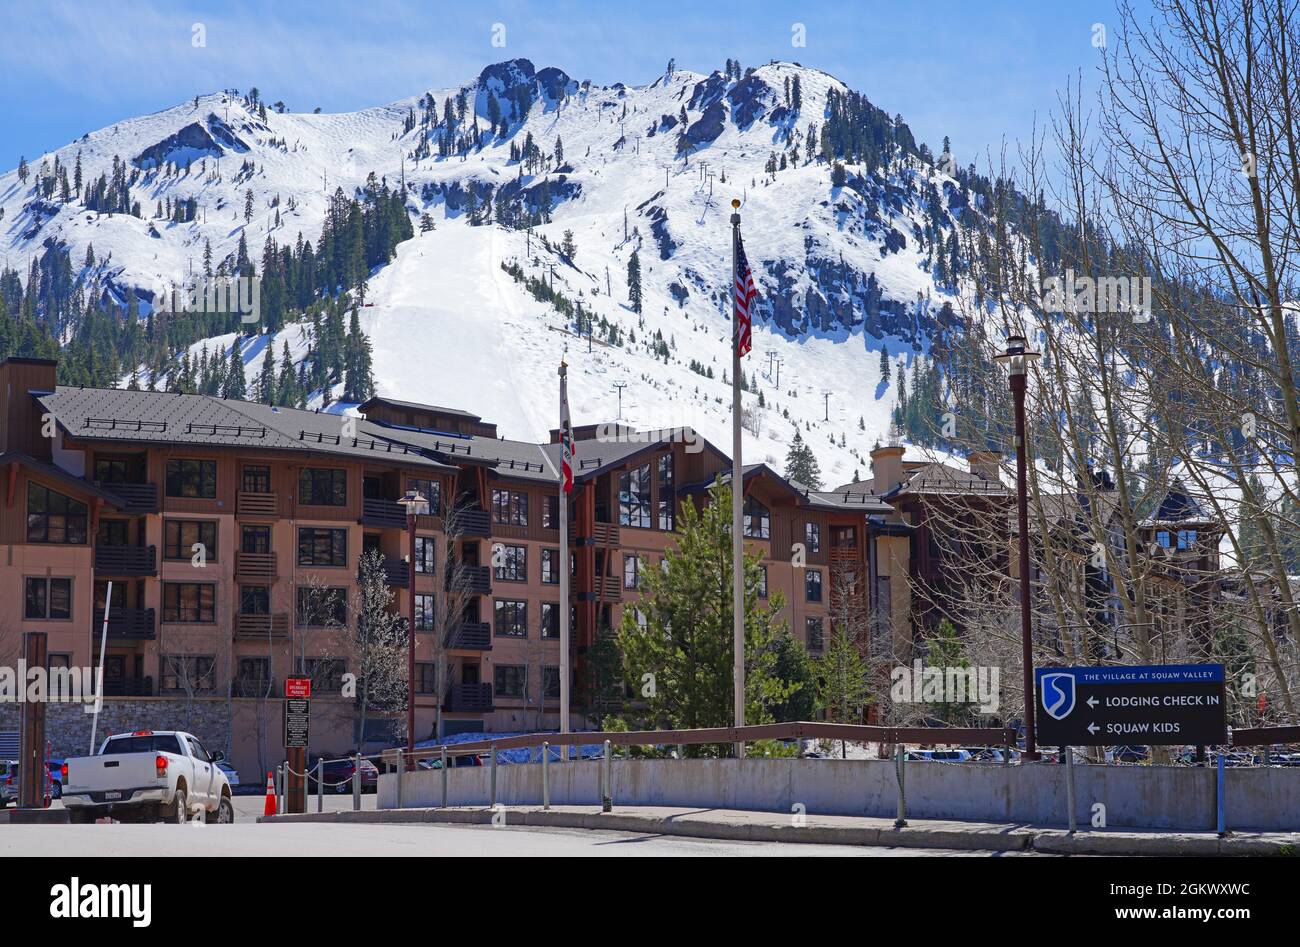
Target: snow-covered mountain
<point>839,262</point>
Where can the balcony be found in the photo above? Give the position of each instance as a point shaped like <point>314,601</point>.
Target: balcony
<point>126,560</point>
<point>469,698</point>
<point>136,497</point>
<point>128,687</point>
<point>471,636</point>
<point>476,580</point>
<point>255,566</point>
<point>397,573</point>
<point>610,588</point>
<point>127,624</point>
<point>262,626</point>
<point>386,514</point>
<point>604,534</point>
<point>257,504</point>
<point>474,523</point>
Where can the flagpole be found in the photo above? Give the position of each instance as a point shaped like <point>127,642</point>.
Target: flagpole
<point>737,498</point>
<point>564,558</point>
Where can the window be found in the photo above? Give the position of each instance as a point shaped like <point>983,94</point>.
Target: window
<point>115,469</point>
<point>812,585</point>
<point>113,533</point>
<point>551,683</point>
<point>1164,539</point>
<point>550,620</point>
<point>49,599</point>
<point>426,675</point>
<point>53,517</point>
<point>255,539</point>
<point>322,547</point>
<point>513,565</point>
<point>1186,539</point>
<point>192,478</point>
<point>101,593</point>
<point>423,612</point>
<point>254,600</point>
<point>431,490</point>
<point>321,607</point>
<point>551,513</point>
<point>667,495</point>
<point>844,537</point>
<point>511,618</point>
<point>510,507</point>
<point>634,497</point>
<point>253,678</point>
<point>325,673</point>
<point>816,640</point>
<point>551,567</point>
<point>256,480</point>
<point>188,673</point>
<point>186,602</point>
<point>762,581</point>
<point>631,572</point>
<point>426,558</point>
<point>323,486</point>
<point>758,521</point>
<point>812,533</point>
<point>179,537</point>
<point>508,680</point>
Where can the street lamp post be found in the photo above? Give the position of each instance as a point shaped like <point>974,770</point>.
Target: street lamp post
<point>1017,358</point>
<point>416,505</point>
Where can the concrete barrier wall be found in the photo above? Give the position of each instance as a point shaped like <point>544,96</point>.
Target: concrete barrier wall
<point>1165,797</point>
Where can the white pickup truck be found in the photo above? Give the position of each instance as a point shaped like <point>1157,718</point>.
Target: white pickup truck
<point>147,775</point>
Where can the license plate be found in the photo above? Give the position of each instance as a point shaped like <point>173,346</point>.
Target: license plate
<point>112,795</point>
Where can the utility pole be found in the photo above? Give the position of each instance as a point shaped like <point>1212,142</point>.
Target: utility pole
<point>826,394</point>
<point>620,385</point>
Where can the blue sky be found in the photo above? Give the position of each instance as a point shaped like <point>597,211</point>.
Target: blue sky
<point>976,71</point>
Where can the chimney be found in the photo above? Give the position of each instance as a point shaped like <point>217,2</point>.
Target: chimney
<point>887,467</point>
<point>20,417</point>
<point>986,464</point>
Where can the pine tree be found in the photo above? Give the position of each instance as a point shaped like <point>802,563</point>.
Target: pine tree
<point>686,638</point>
<point>235,385</point>
<point>286,392</point>
<point>884,363</point>
<point>801,465</point>
<point>634,281</point>
<point>266,380</point>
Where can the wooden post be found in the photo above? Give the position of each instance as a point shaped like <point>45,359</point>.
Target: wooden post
<point>31,739</point>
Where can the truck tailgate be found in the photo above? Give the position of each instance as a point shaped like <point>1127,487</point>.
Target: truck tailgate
<point>109,774</point>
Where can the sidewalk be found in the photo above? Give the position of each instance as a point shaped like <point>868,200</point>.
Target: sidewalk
<point>741,825</point>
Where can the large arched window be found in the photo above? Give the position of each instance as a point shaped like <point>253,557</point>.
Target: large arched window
<point>53,517</point>
<point>758,521</point>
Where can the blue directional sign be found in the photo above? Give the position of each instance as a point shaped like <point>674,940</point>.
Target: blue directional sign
<point>1153,705</point>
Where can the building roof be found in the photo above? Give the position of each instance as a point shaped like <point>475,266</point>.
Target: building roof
<point>935,478</point>
<point>157,417</point>
<point>417,406</point>
<point>61,475</point>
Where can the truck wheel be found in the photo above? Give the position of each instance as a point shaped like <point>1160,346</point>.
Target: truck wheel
<point>224,815</point>
<point>79,816</point>
<point>178,812</point>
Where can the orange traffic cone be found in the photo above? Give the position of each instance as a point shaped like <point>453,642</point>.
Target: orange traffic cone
<point>269,809</point>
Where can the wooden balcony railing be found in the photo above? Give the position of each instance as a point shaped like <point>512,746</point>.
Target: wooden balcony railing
<point>128,687</point>
<point>383,513</point>
<point>257,504</point>
<point>474,523</point>
<point>262,626</point>
<point>605,534</point>
<point>469,698</point>
<point>610,588</point>
<point>255,566</point>
<point>126,560</point>
<point>477,580</point>
<point>127,624</point>
<point>471,636</point>
<point>136,497</point>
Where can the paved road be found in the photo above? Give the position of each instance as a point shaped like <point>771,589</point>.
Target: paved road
<point>325,839</point>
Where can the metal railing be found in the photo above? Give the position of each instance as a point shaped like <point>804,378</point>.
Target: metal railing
<point>126,560</point>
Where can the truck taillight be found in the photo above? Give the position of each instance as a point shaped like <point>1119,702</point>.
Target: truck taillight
<point>160,763</point>
<point>63,772</point>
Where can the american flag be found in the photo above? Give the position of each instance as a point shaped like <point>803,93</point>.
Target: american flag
<point>566,431</point>
<point>746,296</point>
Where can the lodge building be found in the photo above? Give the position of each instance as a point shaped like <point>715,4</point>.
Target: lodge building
<point>216,523</point>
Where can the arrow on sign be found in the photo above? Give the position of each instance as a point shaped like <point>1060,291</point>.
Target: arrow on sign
<point>1093,728</point>
<point>1093,701</point>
